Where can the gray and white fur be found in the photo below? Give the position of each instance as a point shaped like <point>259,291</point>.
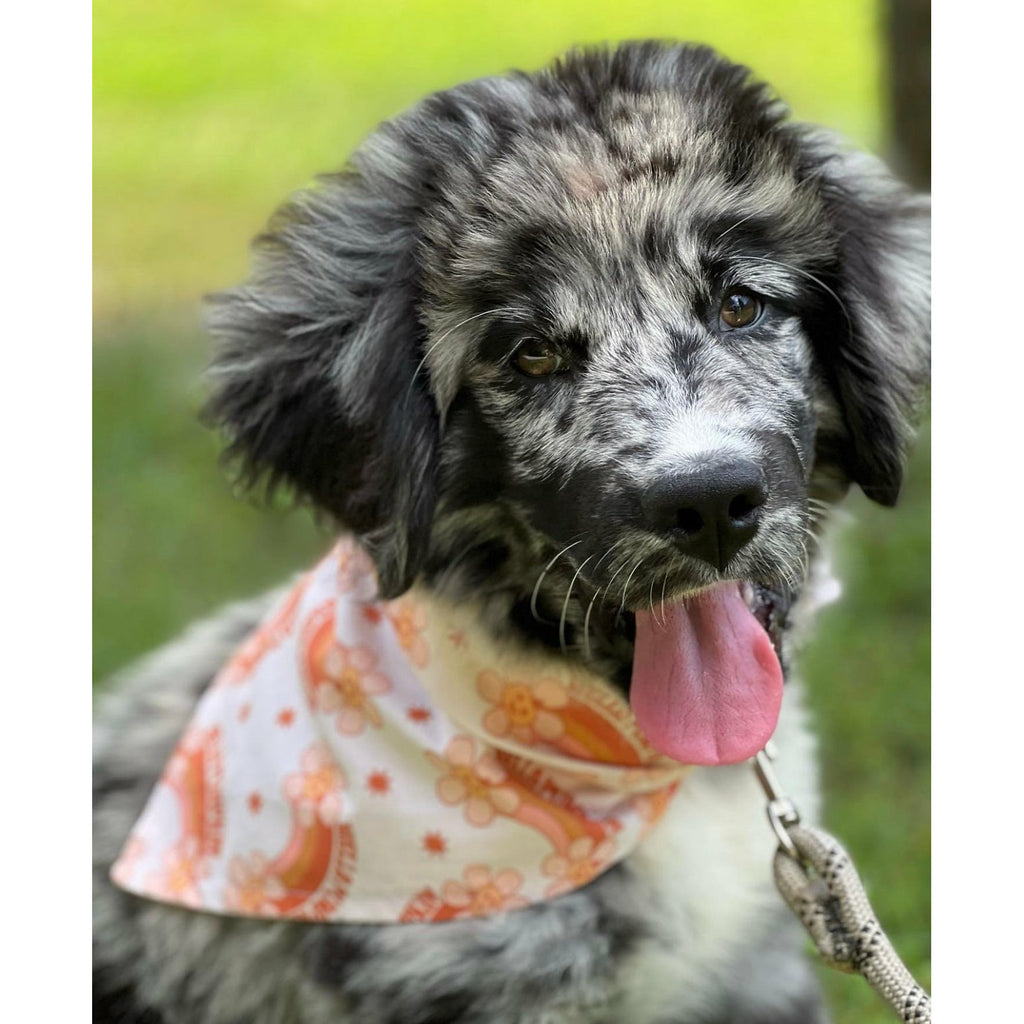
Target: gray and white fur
<point>601,208</point>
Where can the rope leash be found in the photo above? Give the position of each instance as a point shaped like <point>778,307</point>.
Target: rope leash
<point>818,881</point>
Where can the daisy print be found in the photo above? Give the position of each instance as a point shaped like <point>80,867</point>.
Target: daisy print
<point>252,887</point>
<point>527,711</point>
<point>316,790</point>
<point>349,683</point>
<point>409,621</point>
<point>585,858</point>
<point>478,781</point>
<point>484,892</point>
<point>356,573</point>
<point>182,869</point>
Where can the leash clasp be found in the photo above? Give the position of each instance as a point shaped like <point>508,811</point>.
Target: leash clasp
<point>782,812</point>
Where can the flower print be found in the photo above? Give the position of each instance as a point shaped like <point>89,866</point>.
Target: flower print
<point>355,570</point>
<point>435,844</point>
<point>477,781</point>
<point>584,860</point>
<point>409,620</point>
<point>378,783</point>
<point>285,717</point>
<point>316,789</point>
<point>251,885</point>
<point>349,683</point>
<point>480,892</point>
<point>524,710</point>
<point>181,872</point>
<point>269,635</point>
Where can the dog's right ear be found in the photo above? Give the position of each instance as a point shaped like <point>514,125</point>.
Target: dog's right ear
<point>318,379</point>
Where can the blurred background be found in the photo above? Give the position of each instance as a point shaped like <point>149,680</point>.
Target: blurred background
<point>209,112</point>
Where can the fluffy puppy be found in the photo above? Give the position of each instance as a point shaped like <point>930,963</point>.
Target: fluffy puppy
<point>568,349</point>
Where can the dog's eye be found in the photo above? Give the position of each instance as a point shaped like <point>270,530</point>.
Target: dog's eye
<point>738,309</point>
<point>537,358</point>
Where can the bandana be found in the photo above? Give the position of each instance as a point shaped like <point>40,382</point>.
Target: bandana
<point>371,761</point>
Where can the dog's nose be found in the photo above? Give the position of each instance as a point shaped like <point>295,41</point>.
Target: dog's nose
<point>711,511</point>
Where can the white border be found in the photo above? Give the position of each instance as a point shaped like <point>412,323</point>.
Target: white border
<point>45,426</point>
<point>978,613</point>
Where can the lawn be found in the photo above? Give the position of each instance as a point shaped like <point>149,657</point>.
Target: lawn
<point>208,114</point>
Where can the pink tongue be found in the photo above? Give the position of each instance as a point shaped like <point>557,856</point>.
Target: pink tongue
<point>707,686</point>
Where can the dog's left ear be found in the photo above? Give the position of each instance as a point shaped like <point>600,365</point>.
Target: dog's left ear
<point>318,379</point>
<point>873,343</point>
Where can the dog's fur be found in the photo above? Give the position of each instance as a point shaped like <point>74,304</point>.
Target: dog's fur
<point>605,205</point>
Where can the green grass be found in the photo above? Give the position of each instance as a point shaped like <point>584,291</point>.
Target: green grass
<point>208,114</point>
<point>868,671</point>
<point>170,540</point>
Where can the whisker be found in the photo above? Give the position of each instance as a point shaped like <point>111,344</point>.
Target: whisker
<point>797,565</point>
<point>434,344</point>
<point>586,624</point>
<point>804,273</point>
<point>540,579</point>
<point>613,546</point>
<point>565,605</point>
<point>742,220</point>
<point>590,607</point>
<point>626,587</point>
<point>608,585</point>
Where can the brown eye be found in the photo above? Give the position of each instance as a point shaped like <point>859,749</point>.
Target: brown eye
<point>537,358</point>
<point>739,309</point>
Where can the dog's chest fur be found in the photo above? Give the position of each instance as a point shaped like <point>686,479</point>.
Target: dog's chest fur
<point>716,831</point>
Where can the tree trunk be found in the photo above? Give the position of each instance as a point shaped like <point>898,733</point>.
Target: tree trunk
<point>908,28</point>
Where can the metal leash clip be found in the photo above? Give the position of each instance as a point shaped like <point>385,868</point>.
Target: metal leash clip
<point>822,888</point>
<point>782,812</point>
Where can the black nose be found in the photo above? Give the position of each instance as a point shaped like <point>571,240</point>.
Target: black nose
<point>711,511</point>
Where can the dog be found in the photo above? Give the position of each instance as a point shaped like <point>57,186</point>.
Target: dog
<point>585,357</point>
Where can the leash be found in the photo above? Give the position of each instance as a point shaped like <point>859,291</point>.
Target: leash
<point>818,881</point>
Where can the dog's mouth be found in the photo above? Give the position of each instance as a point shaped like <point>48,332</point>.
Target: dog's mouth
<point>707,681</point>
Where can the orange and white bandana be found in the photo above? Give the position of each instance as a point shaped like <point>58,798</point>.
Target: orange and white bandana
<point>387,761</point>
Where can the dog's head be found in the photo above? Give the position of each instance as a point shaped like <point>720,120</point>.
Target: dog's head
<point>622,301</point>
